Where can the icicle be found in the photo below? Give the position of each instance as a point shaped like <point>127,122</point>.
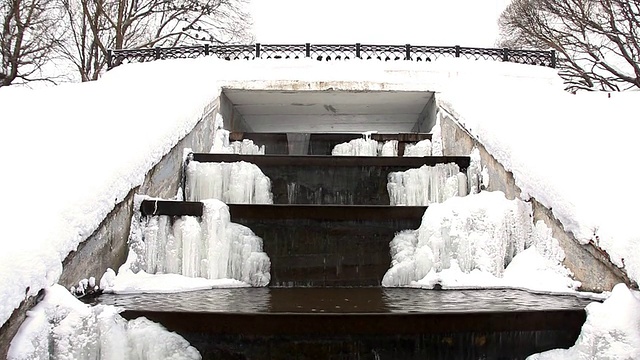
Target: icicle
<point>213,247</point>
<point>234,183</point>
<point>425,185</point>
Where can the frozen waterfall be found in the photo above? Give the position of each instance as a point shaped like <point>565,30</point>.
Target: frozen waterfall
<point>426,185</point>
<point>212,248</point>
<point>471,241</point>
<point>233,183</point>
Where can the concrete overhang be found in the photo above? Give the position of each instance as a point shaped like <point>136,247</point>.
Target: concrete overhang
<point>328,110</point>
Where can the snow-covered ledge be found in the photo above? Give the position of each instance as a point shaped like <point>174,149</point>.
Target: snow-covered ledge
<point>589,264</point>
<point>106,247</point>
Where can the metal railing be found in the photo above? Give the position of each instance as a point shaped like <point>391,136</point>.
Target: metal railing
<point>332,52</point>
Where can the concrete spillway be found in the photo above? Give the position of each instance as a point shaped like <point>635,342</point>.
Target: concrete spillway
<point>316,245</point>
<point>356,323</point>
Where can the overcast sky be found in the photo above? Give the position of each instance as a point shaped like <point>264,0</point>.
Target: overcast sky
<point>420,22</point>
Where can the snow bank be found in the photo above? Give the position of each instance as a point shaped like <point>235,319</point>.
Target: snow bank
<point>60,327</point>
<point>481,240</point>
<point>233,183</point>
<point>210,248</point>
<point>612,330</point>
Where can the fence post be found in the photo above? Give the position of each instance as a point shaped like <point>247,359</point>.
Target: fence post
<point>157,53</point>
<point>206,49</point>
<point>505,54</point>
<point>109,59</point>
<point>553,58</point>
<point>358,50</point>
<point>457,50</point>
<point>407,52</point>
<point>307,50</point>
<point>257,50</point>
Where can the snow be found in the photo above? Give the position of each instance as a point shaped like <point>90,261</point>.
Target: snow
<point>61,327</point>
<point>481,241</point>
<point>612,330</point>
<point>76,150</point>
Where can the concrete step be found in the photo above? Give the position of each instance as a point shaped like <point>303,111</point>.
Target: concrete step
<point>318,143</point>
<point>362,323</point>
<point>316,245</point>
<point>345,180</point>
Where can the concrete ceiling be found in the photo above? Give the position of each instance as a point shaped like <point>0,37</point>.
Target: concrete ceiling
<point>328,111</point>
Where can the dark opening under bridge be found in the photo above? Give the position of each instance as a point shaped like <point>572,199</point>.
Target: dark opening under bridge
<point>333,52</point>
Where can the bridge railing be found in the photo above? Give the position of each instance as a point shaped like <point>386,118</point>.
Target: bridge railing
<point>332,52</point>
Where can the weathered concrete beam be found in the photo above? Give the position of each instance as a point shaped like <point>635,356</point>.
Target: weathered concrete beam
<point>334,161</point>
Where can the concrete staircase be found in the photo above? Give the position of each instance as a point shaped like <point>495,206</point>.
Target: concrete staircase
<point>328,242</point>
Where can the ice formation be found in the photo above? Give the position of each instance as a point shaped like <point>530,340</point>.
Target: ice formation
<point>60,327</point>
<point>421,148</point>
<point>474,172</point>
<point>221,144</point>
<point>612,330</point>
<point>426,185</point>
<point>389,148</point>
<point>211,248</point>
<point>436,138</point>
<point>470,241</point>
<point>357,147</point>
<point>233,183</point>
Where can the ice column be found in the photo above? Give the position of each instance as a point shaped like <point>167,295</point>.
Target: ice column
<point>213,248</point>
<point>426,185</point>
<point>233,183</point>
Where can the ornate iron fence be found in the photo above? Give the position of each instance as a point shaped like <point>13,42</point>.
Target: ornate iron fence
<point>332,52</point>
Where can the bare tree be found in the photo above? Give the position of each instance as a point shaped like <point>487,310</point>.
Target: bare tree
<point>597,40</point>
<point>95,26</point>
<point>28,38</point>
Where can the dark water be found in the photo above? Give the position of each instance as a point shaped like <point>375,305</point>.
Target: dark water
<point>341,300</point>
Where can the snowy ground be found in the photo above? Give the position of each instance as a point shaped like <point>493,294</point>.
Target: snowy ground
<point>78,149</point>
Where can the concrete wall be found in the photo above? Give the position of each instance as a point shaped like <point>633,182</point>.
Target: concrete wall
<point>233,119</point>
<point>107,246</point>
<point>589,264</point>
<point>427,118</point>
